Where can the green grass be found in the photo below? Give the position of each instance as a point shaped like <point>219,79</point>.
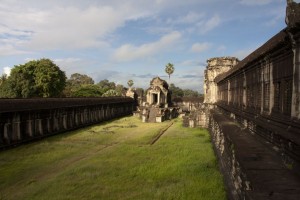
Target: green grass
<point>114,161</point>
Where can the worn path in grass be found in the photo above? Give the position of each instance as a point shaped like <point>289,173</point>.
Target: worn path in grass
<point>114,160</point>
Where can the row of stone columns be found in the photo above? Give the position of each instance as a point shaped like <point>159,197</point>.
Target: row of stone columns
<point>18,127</point>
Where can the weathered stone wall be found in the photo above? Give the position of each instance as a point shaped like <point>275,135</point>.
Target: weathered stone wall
<point>215,67</point>
<point>252,168</point>
<point>261,93</point>
<point>23,120</point>
<point>258,105</point>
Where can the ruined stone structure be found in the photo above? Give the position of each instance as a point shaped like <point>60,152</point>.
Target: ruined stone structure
<point>158,93</point>
<point>23,120</point>
<point>215,67</point>
<point>158,100</point>
<point>254,116</point>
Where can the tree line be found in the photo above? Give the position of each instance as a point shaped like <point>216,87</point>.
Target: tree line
<point>43,78</point>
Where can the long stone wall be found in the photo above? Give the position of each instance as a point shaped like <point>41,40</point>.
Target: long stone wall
<point>255,117</point>
<point>23,120</point>
<point>259,93</point>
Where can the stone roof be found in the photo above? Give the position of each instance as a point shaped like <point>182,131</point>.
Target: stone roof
<point>158,81</point>
<point>11,105</point>
<point>277,40</point>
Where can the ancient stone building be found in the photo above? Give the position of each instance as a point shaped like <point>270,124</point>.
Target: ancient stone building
<point>254,116</point>
<point>157,107</point>
<point>215,67</point>
<point>158,93</point>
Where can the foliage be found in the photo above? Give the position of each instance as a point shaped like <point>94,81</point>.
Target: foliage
<point>130,83</point>
<point>93,164</point>
<point>77,85</point>
<point>140,92</point>
<point>110,93</point>
<point>105,85</point>
<point>121,90</point>
<point>169,69</point>
<point>80,79</point>
<point>3,78</point>
<point>176,91</point>
<point>37,78</point>
<point>190,93</point>
<point>87,91</point>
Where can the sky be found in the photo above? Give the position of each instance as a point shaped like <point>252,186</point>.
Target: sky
<point>134,39</point>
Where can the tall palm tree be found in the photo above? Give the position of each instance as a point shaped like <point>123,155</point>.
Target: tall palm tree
<point>169,69</point>
<point>130,83</point>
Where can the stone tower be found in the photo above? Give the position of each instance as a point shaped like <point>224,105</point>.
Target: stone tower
<point>215,67</point>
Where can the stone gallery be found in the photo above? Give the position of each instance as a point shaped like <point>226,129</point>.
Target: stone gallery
<point>253,113</point>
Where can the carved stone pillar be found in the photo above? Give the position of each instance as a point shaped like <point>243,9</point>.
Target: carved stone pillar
<point>293,28</point>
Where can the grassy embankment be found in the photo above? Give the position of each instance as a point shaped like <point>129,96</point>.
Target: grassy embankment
<point>114,161</point>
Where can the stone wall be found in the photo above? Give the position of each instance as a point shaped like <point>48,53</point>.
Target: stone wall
<point>261,92</point>
<point>215,67</point>
<point>257,112</point>
<point>23,120</point>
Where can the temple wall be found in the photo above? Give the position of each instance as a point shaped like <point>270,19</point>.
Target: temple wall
<point>263,96</point>
<point>215,67</point>
<point>255,116</point>
<point>23,120</point>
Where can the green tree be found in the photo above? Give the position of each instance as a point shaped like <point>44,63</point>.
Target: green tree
<point>37,78</point>
<point>3,78</point>
<point>120,89</point>
<point>169,69</point>
<point>130,83</point>
<point>75,82</point>
<point>190,93</point>
<point>87,91</point>
<point>80,79</point>
<point>105,85</point>
<point>110,93</point>
<point>176,91</point>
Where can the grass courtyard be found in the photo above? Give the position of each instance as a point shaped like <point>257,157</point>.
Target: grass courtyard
<point>115,160</point>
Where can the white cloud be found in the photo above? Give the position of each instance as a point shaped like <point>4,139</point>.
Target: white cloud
<point>211,24</point>
<point>200,47</point>
<point>255,2</point>
<point>8,49</point>
<point>206,25</point>
<point>130,52</point>
<point>63,26</point>
<point>190,18</point>
<point>6,70</point>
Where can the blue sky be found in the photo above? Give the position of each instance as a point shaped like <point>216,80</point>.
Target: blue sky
<point>135,39</point>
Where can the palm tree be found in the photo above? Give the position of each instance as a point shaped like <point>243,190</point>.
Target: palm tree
<point>130,83</point>
<point>169,69</point>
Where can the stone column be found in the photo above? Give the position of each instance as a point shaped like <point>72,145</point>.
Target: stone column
<point>244,90</point>
<point>296,80</point>
<point>7,133</point>
<point>272,89</point>
<point>292,20</point>
<point>38,126</point>
<point>16,129</point>
<point>158,98</point>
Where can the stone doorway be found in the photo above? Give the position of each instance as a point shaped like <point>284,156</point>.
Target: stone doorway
<point>154,99</point>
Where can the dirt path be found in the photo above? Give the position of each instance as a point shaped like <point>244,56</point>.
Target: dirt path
<point>160,134</point>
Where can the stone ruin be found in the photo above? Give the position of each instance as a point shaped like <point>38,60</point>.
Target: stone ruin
<point>158,104</point>
<point>215,67</point>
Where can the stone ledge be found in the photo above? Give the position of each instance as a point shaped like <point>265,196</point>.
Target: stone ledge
<point>252,168</point>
